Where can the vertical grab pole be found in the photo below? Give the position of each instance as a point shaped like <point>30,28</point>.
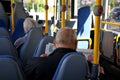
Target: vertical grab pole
<point>97,36</point>
<point>63,13</point>
<point>68,15</point>
<point>97,11</point>
<point>12,14</point>
<point>46,16</point>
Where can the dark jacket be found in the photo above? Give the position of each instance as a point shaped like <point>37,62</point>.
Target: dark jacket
<point>43,68</point>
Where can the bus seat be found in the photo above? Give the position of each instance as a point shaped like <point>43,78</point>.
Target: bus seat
<point>3,15</point>
<point>108,46</point>
<point>42,45</point>
<point>4,32</point>
<point>73,66</point>
<point>6,47</point>
<point>10,69</point>
<point>19,31</point>
<point>19,11</point>
<point>28,48</point>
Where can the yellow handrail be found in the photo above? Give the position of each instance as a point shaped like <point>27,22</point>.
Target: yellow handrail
<point>63,14</point>
<point>117,52</point>
<point>86,39</point>
<point>96,36</point>
<point>12,14</point>
<point>102,29</point>
<point>46,16</point>
<point>111,23</point>
<point>68,15</point>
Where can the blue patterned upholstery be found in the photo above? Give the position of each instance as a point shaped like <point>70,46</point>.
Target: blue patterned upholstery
<point>19,31</point>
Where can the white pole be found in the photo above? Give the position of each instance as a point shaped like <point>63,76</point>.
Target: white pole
<point>75,6</point>
<point>106,9</point>
<point>106,13</point>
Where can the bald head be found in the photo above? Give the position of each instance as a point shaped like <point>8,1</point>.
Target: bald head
<point>66,38</point>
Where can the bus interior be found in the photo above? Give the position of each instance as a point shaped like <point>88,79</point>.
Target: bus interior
<point>98,34</point>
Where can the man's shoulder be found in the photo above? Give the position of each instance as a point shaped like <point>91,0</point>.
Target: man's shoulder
<point>61,51</point>
<point>64,50</point>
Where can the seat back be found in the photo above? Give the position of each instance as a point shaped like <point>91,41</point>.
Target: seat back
<point>10,69</point>
<point>3,16</point>
<point>19,11</point>
<point>6,47</point>
<point>108,45</point>
<point>19,31</point>
<point>4,32</point>
<point>73,66</point>
<point>42,45</point>
<point>28,48</point>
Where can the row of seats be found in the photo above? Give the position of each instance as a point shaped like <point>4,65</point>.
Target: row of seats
<point>36,39</point>
<point>34,44</point>
<point>26,52</point>
<point>32,49</point>
<point>72,66</point>
<point>34,34</point>
<point>11,66</point>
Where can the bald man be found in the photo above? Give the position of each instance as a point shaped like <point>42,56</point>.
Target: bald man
<point>43,68</point>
